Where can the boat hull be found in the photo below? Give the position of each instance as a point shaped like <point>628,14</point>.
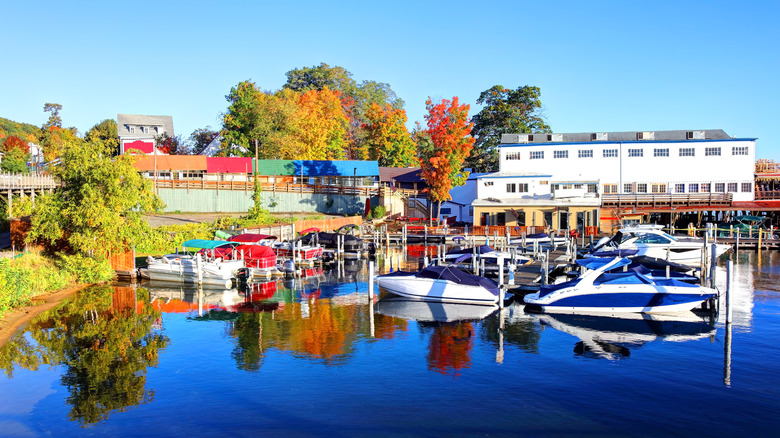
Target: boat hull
<point>639,301</point>
<point>429,289</point>
<point>186,278</point>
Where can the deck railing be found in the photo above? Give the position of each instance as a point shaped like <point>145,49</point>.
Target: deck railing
<point>665,200</point>
<point>248,186</point>
<point>26,181</point>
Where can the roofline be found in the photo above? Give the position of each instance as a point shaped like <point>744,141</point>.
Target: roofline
<point>554,143</point>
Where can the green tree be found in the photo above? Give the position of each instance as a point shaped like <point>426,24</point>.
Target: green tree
<point>100,204</point>
<point>54,116</point>
<point>172,145</point>
<point>253,116</point>
<point>504,111</point>
<point>387,139</point>
<point>105,131</point>
<point>442,159</point>
<point>16,153</point>
<point>200,138</point>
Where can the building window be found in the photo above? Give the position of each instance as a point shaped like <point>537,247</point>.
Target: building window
<point>610,153</point>
<point>488,183</point>
<point>693,188</point>
<point>511,188</point>
<point>593,188</point>
<point>720,188</point>
<point>627,188</point>
<point>641,188</point>
<point>522,188</point>
<point>560,154</point>
<point>732,187</point>
<point>739,150</point>
<point>687,152</point>
<point>679,188</point>
<point>610,188</point>
<point>446,210</point>
<point>585,153</point>
<point>537,155</point>
<point>471,211</point>
<point>513,156</point>
<point>705,187</point>
<point>131,129</point>
<point>747,187</point>
<point>661,152</point>
<point>635,152</point>
<point>145,129</point>
<point>658,188</point>
<point>544,183</point>
<point>712,152</point>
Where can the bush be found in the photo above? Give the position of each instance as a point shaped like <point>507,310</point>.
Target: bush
<point>27,276</point>
<point>85,269</point>
<point>378,212</point>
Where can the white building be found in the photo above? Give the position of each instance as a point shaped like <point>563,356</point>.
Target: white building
<point>671,162</point>
<point>138,131</point>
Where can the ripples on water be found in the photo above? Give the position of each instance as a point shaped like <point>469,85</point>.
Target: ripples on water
<point>315,357</point>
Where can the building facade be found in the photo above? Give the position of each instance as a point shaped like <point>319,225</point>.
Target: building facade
<point>138,132</point>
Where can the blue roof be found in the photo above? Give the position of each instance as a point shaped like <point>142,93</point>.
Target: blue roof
<point>336,168</point>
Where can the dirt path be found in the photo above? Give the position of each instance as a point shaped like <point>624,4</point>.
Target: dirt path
<point>16,318</point>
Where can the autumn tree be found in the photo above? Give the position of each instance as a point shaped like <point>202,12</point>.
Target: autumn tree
<point>321,127</point>
<point>172,145</point>
<point>54,115</point>
<point>505,111</point>
<point>105,131</point>
<point>101,201</point>
<point>200,138</point>
<point>15,155</point>
<point>442,159</point>
<point>253,117</point>
<point>387,139</point>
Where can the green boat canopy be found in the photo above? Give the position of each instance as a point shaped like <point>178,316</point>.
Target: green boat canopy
<point>205,244</point>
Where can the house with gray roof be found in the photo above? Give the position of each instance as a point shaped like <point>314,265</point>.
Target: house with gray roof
<point>138,131</point>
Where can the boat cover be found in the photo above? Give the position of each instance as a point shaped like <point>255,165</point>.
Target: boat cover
<point>469,251</point>
<point>452,274</point>
<point>251,238</point>
<point>536,236</point>
<point>598,262</point>
<point>205,244</point>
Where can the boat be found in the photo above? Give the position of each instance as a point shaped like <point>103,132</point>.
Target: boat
<point>446,284</point>
<point>488,254</point>
<point>328,240</point>
<point>203,267</point>
<point>539,238</point>
<point>653,242</point>
<point>615,336</point>
<point>427,311</point>
<point>598,290</point>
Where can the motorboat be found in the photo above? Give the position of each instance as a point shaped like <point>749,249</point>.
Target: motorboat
<point>204,266</point>
<point>488,254</point>
<point>653,242</point>
<point>615,336</point>
<point>446,284</point>
<point>599,290</point>
<point>539,238</point>
<point>427,311</point>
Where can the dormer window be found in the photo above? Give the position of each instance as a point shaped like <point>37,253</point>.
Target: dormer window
<point>131,129</point>
<point>145,129</point>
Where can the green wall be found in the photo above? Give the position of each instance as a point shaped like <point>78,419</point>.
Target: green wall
<point>226,201</point>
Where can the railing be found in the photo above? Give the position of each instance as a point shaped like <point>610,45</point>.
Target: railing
<point>248,186</point>
<point>767,194</point>
<point>665,200</point>
<point>26,181</point>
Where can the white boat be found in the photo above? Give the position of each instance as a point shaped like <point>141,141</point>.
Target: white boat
<point>652,242</point>
<point>487,253</point>
<point>539,238</point>
<point>197,268</point>
<point>446,284</point>
<point>600,291</point>
<point>427,311</point>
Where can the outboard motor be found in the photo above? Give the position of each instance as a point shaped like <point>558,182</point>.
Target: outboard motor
<point>288,267</point>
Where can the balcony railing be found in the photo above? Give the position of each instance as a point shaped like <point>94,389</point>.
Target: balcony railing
<point>666,200</point>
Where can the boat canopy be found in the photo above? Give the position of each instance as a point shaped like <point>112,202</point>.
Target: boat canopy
<point>599,262</point>
<point>455,275</point>
<point>469,251</point>
<point>205,244</point>
<point>251,238</point>
<point>309,230</point>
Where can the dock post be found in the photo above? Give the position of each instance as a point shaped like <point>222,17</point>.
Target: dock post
<point>500,282</point>
<point>371,281</point>
<point>482,267</point>
<point>736,245</point>
<point>713,264</point>
<point>758,248</point>
<point>729,285</point>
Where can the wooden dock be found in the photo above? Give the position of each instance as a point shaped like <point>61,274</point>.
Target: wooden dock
<point>750,243</point>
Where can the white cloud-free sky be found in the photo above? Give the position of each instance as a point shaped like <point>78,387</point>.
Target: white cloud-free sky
<point>601,65</point>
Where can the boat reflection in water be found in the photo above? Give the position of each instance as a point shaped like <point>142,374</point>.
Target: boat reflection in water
<point>451,328</point>
<point>614,336</point>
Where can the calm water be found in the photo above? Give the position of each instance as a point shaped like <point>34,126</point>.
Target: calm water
<point>316,358</point>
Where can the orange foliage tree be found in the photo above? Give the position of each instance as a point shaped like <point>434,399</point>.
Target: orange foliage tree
<point>442,158</point>
<point>387,139</point>
<point>321,126</point>
<point>14,142</point>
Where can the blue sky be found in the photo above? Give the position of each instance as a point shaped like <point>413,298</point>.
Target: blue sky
<point>601,66</point>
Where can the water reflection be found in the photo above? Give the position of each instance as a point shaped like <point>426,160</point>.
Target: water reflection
<point>106,337</point>
<point>613,337</point>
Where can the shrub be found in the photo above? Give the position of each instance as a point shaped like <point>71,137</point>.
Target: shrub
<point>378,212</point>
<point>27,276</point>
<point>85,269</point>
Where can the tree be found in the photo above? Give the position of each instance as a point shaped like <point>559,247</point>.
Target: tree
<point>105,131</point>
<point>53,140</point>
<point>15,155</point>
<point>252,116</point>
<point>320,77</point>
<point>321,127</point>
<point>54,117</point>
<point>442,159</point>
<point>505,111</point>
<point>200,138</point>
<point>100,204</point>
<point>172,145</point>
<point>387,139</point>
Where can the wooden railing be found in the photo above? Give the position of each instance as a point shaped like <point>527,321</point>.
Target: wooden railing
<point>26,181</point>
<point>248,186</point>
<point>665,200</point>
<point>767,194</point>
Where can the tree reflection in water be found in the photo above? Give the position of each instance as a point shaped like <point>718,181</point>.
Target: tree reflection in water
<point>450,347</point>
<point>106,337</point>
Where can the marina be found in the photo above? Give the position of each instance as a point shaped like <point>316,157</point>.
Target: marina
<point>317,355</point>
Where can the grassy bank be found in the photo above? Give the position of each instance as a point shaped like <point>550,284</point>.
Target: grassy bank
<point>32,274</point>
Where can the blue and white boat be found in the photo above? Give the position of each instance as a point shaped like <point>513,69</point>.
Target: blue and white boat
<point>446,284</point>
<point>598,290</point>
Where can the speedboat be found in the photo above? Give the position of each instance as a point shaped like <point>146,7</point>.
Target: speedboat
<point>652,242</point>
<point>487,253</point>
<point>446,284</point>
<point>427,311</point>
<point>540,238</point>
<point>598,290</point>
<point>204,267</point>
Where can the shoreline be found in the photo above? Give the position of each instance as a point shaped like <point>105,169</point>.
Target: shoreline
<point>16,318</point>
